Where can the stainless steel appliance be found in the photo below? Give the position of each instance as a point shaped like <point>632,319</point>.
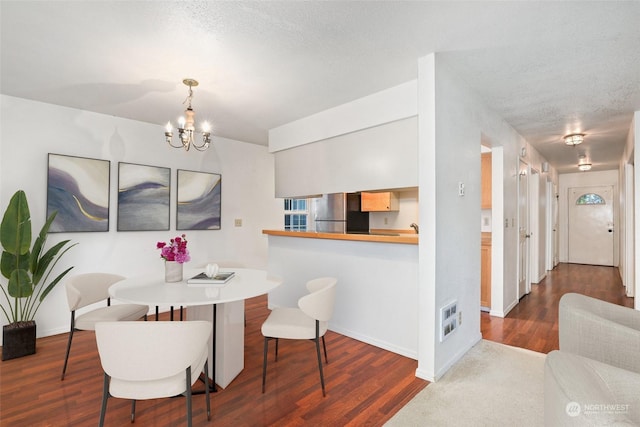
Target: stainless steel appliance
<point>339,213</point>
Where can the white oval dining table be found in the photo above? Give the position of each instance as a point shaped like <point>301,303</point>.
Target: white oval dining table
<point>223,304</point>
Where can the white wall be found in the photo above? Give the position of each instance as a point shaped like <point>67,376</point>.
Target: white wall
<point>356,161</point>
<point>636,204</point>
<point>626,227</point>
<point>30,130</point>
<point>585,179</point>
<point>452,123</point>
<point>389,105</point>
<point>376,290</point>
<point>346,148</point>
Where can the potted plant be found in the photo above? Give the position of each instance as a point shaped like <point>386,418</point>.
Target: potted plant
<point>27,270</point>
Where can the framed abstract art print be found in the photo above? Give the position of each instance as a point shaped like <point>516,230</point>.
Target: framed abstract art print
<point>199,200</point>
<point>78,189</point>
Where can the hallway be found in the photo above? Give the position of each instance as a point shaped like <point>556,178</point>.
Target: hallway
<point>533,323</point>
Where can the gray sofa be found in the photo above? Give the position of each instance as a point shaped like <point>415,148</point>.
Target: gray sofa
<point>594,379</point>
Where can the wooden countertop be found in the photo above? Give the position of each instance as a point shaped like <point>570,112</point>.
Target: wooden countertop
<point>402,237</point>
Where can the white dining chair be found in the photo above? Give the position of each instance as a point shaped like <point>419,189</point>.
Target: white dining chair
<point>151,360</point>
<point>307,322</point>
<point>89,288</point>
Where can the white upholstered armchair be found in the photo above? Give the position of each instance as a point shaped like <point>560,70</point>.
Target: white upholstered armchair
<point>150,360</point>
<point>594,379</point>
<point>307,322</point>
<point>600,330</point>
<point>89,288</point>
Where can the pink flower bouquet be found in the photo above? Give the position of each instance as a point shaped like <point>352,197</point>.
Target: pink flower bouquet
<point>176,250</point>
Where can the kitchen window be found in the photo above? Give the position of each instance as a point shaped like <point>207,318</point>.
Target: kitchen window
<point>296,214</point>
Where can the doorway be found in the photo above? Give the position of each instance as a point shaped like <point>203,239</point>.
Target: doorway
<point>523,229</point>
<point>536,273</point>
<point>553,240</point>
<point>591,225</point>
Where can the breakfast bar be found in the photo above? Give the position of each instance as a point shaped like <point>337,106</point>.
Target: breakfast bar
<point>377,290</point>
<point>380,236</point>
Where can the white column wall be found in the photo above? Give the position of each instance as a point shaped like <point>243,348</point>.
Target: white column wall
<point>452,121</point>
<point>30,130</point>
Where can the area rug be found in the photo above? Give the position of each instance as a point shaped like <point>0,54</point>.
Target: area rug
<point>492,385</point>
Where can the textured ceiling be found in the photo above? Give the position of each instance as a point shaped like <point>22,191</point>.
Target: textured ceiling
<point>548,68</point>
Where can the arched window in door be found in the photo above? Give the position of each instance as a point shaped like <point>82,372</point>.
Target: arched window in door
<point>590,199</point>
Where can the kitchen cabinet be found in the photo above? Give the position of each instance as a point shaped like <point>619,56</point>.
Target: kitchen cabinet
<point>485,272</point>
<point>379,202</point>
<point>485,178</point>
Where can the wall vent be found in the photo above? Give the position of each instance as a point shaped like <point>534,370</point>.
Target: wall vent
<point>448,320</point>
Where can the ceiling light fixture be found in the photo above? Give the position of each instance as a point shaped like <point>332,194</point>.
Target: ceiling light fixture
<point>583,163</point>
<point>574,139</point>
<point>584,166</point>
<point>187,125</point>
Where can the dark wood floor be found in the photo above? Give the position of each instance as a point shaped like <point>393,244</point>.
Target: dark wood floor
<point>533,323</point>
<point>365,385</point>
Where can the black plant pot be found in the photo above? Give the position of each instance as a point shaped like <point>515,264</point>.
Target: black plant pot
<point>18,339</point>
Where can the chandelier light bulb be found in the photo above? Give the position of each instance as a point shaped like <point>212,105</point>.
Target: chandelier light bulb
<point>187,126</point>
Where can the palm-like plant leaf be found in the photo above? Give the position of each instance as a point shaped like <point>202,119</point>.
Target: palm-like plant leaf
<point>20,285</point>
<point>27,269</point>
<point>15,230</point>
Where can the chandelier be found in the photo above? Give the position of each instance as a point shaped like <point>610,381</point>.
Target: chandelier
<point>574,139</point>
<point>187,126</point>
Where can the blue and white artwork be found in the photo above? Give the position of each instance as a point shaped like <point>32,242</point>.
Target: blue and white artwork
<point>143,197</point>
<point>199,200</point>
<point>78,189</point>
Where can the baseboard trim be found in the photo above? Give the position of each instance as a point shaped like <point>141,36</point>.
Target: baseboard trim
<point>428,376</point>
<point>406,352</point>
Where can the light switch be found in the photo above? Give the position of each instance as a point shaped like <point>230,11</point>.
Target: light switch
<point>238,222</point>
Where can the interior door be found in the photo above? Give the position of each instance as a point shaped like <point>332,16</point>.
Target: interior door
<point>556,233</point>
<point>523,230</point>
<point>591,225</point>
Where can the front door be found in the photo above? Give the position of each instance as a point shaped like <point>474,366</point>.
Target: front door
<point>591,225</point>
<point>523,230</point>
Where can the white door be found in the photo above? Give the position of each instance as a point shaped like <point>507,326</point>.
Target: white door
<point>591,225</point>
<point>556,233</point>
<point>523,230</point>
<point>535,275</point>
<point>552,226</point>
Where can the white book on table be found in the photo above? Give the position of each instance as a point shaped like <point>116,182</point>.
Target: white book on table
<point>202,279</point>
